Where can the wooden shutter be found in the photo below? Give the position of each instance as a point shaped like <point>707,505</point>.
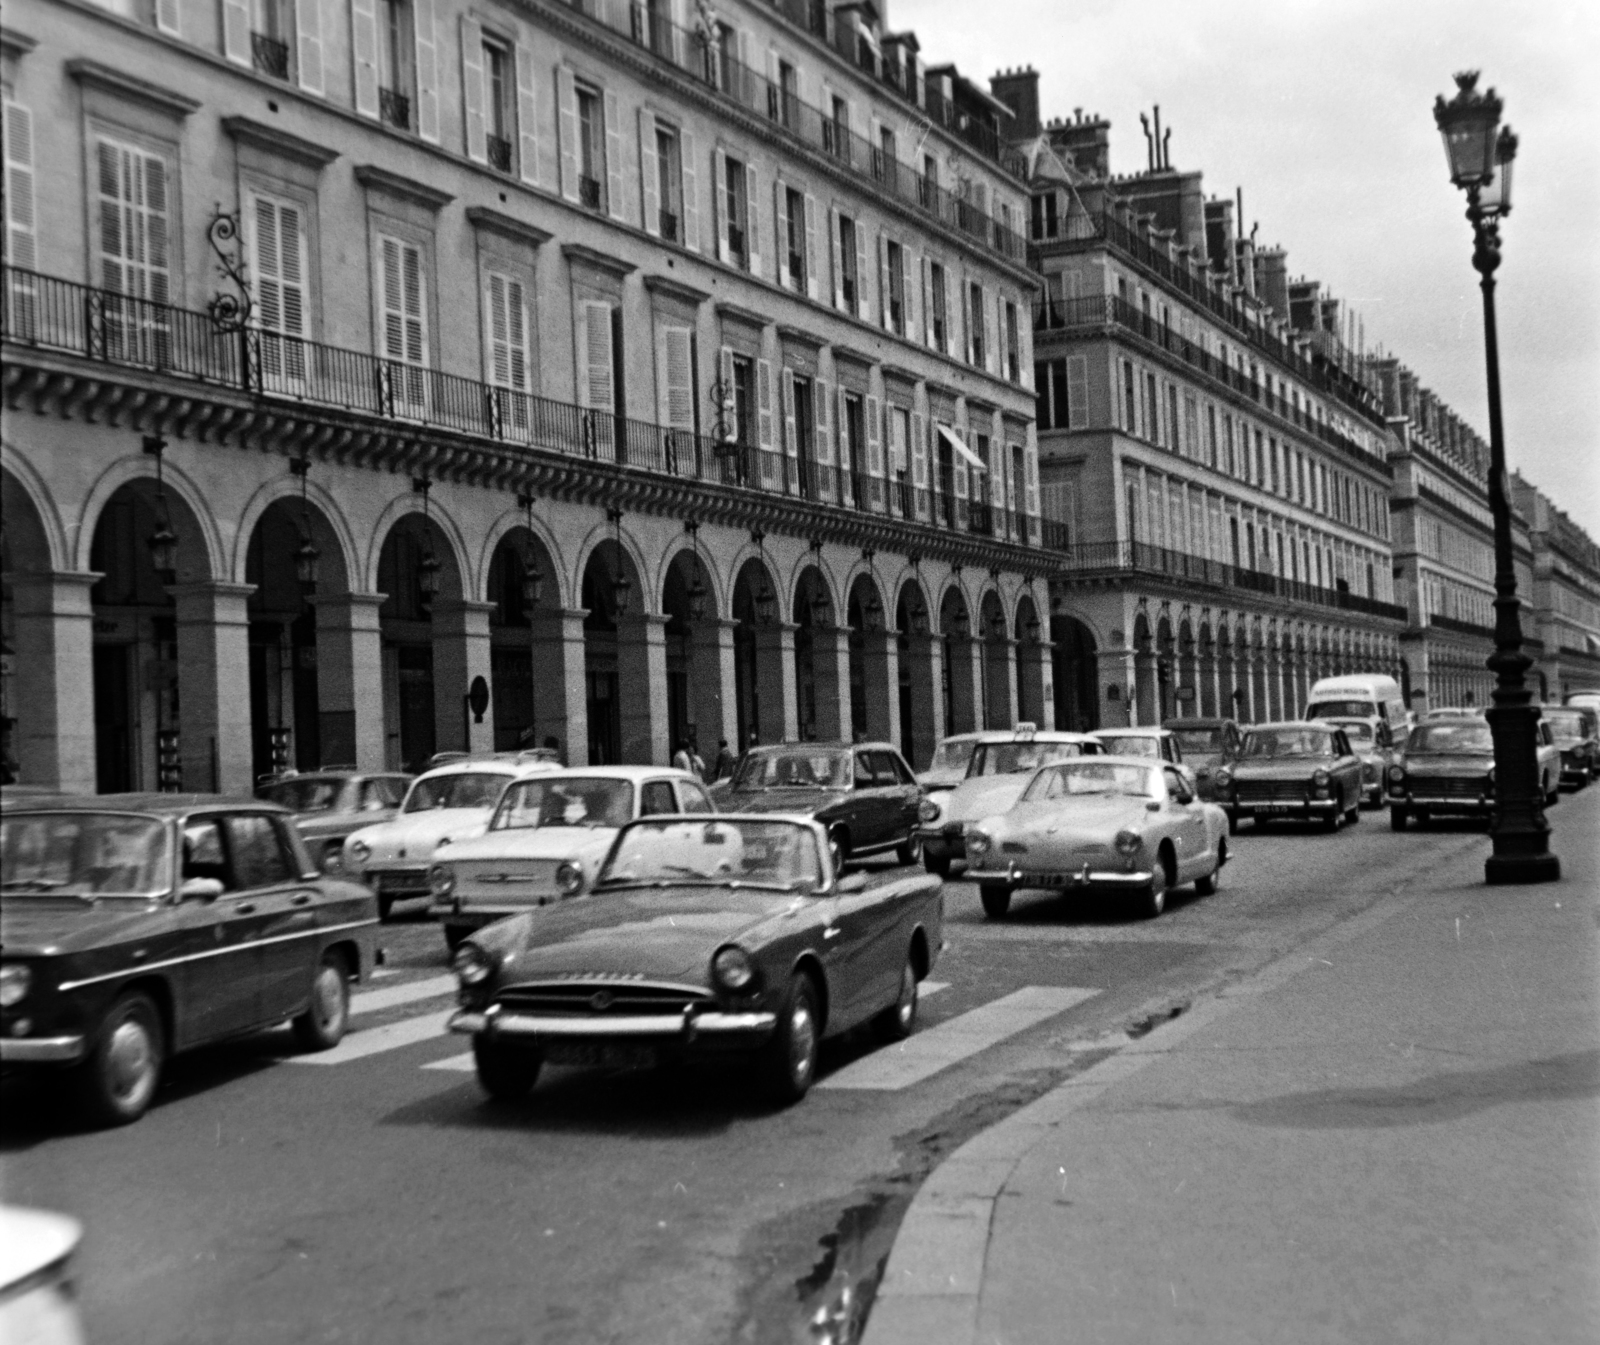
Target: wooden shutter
<point>780,232</point>
<point>403,319</point>
<point>764,427</point>
<point>134,256</point>
<point>597,385</point>
<point>22,231</point>
<point>964,342</point>
<point>842,420</point>
<point>276,246</point>
<point>364,55</point>
<point>691,191</point>
<point>874,409</point>
<point>1077,393</point>
<point>862,310</point>
<point>836,257</point>
<point>822,413</point>
<point>472,89</point>
<point>677,399</point>
<point>308,42</point>
<point>813,287</point>
<point>427,71</point>
<point>991,334</point>
<point>752,197</point>
<point>616,179</point>
<point>236,32</point>
<point>567,103</point>
<point>789,433</point>
<point>168,18</point>
<point>883,280</point>
<point>1031,460</point>
<point>721,202</point>
<point>919,461</point>
<point>527,116</point>
<point>927,304</point>
<point>507,343</point>
<point>649,173</point>
<point>728,407</point>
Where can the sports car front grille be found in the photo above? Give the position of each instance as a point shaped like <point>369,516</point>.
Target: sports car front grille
<point>1447,786</point>
<point>1271,791</point>
<point>582,998</point>
<point>400,880</point>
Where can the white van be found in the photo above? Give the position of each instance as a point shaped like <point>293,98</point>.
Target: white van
<point>1359,696</point>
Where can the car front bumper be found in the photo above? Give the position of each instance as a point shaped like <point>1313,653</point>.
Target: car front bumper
<point>682,1030</point>
<point>1284,808</point>
<point>1084,877</point>
<point>1420,800</point>
<point>948,841</point>
<point>42,1050</point>
<point>404,881</point>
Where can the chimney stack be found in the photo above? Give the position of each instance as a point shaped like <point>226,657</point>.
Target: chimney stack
<point>1019,90</point>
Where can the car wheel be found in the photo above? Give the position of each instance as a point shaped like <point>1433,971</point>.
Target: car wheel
<point>1153,900</point>
<point>899,1020</point>
<point>938,865</point>
<point>789,1060</point>
<point>839,849</point>
<point>1397,818</point>
<point>323,1023</point>
<point>1553,797</point>
<point>456,935</point>
<point>117,1082</point>
<point>1423,817</point>
<point>1208,885</point>
<point>505,1073</point>
<point>1332,820</point>
<point>909,851</point>
<point>996,899</point>
<point>1352,814</point>
<point>385,905</point>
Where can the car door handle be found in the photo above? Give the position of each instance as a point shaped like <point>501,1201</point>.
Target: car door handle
<point>832,932</point>
<point>301,899</point>
<point>247,909</point>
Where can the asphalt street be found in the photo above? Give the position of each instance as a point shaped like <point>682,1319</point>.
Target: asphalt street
<point>374,1195</point>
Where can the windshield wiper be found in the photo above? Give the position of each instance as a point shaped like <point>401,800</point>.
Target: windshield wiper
<point>32,884</point>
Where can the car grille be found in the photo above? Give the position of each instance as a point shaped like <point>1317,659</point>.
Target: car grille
<point>1448,786</point>
<point>1264,791</point>
<point>578,998</point>
<point>401,880</point>
<point>499,881</point>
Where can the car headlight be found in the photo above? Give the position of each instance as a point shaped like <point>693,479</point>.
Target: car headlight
<point>1397,773</point>
<point>569,879</point>
<point>472,965</point>
<point>1128,842</point>
<point>441,880</point>
<point>1488,777</point>
<point>1320,778</point>
<point>333,859</point>
<point>15,978</point>
<point>978,843</point>
<point>1224,776</point>
<point>927,811</point>
<point>360,851</point>
<point>732,969</point>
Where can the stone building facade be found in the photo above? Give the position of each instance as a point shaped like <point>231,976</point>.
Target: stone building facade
<point>669,369</point>
<point>1564,597</point>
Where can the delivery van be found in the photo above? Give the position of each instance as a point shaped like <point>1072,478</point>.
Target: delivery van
<point>1359,696</point>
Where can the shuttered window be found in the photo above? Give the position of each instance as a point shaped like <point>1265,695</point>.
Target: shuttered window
<point>276,247</point>
<point>403,321</point>
<point>133,249</point>
<point>677,378</point>
<point>21,236</point>
<point>506,347</point>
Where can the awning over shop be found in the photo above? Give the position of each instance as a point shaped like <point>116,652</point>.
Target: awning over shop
<point>962,451</point>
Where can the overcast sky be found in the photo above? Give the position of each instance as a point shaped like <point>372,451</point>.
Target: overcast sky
<point>1321,110</point>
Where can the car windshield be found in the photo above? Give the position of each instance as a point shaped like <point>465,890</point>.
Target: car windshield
<point>1358,731</point>
<point>1340,709</point>
<point>952,757</point>
<point>724,853</point>
<point>306,794</point>
<point>1566,726</point>
<point>84,854</point>
<point>1265,743</point>
<point>572,801</point>
<point>1016,758</point>
<point>1470,736</point>
<point>798,769</point>
<point>1198,741</point>
<point>1094,777</point>
<point>1133,745</point>
<point>461,789</point>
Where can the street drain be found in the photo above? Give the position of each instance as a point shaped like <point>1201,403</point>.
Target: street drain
<point>1145,1026</point>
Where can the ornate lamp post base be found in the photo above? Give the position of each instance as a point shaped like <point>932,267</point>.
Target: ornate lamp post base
<point>1530,868</point>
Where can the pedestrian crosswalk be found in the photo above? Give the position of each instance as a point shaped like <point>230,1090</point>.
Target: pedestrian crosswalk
<point>927,1052</point>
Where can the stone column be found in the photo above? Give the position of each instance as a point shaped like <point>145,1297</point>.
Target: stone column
<point>1035,701</point>
<point>54,680</point>
<point>716,699</point>
<point>460,653</point>
<point>642,689</point>
<point>881,679</point>
<point>214,686</point>
<point>560,682</point>
<point>1114,668</point>
<point>775,684</point>
<point>350,680</point>
<point>830,671</point>
<point>925,658</point>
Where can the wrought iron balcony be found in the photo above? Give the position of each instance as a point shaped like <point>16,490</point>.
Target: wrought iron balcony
<point>269,56</point>
<point>394,107</point>
<point>499,149</point>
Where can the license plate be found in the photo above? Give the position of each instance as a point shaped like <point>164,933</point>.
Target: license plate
<point>601,1056</point>
<point>1276,808</point>
<point>402,882</point>
<point>1060,880</point>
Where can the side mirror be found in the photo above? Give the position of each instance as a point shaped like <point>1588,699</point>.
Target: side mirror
<point>851,882</point>
<point>200,889</point>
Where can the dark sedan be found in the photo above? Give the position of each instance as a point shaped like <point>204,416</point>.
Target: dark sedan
<point>1206,745</point>
<point>725,937</point>
<point>864,795</point>
<point>1302,770</point>
<point>329,805</point>
<point>135,926</point>
<point>1574,729</point>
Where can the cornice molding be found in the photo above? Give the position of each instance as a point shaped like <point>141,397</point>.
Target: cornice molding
<point>600,261</point>
<point>730,311</point>
<point>850,355</point>
<point>273,140</point>
<point>15,44</point>
<point>800,337</point>
<point>676,289</point>
<point>94,75</point>
<point>377,179</point>
<point>507,226</point>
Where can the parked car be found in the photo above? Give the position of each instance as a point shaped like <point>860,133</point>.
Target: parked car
<point>999,770</point>
<point>135,926</point>
<point>720,937</point>
<point>864,794</point>
<point>1296,769</point>
<point>449,803</point>
<point>1372,741</point>
<point>950,761</point>
<point>1587,700</point>
<point>329,805</point>
<point>1156,744</point>
<point>546,839</point>
<point>1576,732</point>
<point>1206,744</point>
<point>38,1297</point>
<point>1447,768</point>
<point>1107,824</point>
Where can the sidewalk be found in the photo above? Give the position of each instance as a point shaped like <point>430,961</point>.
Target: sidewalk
<point>1391,1135</point>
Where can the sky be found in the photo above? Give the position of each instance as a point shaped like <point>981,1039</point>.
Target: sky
<point>1322,112</point>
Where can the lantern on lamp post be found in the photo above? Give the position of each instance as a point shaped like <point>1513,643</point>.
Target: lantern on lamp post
<point>532,575</point>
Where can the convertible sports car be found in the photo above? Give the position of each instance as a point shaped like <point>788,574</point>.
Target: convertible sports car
<point>1112,824</point>
<point>705,936</point>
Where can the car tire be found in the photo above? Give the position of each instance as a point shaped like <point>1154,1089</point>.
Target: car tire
<point>321,1027</point>
<point>789,1059</point>
<point>899,1020</point>
<point>505,1073</point>
<point>1331,821</point>
<point>1352,814</point>
<point>1398,817</point>
<point>1150,902</point>
<point>938,865</point>
<point>1207,886</point>
<point>385,905</point>
<point>909,851</point>
<point>456,935</point>
<point>996,898</point>
<point>117,1082</point>
<point>839,848</point>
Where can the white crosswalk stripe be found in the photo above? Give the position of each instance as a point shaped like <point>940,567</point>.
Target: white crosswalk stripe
<point>926,1053</point>
<point>372,1001</point>
<point>374,1040</point>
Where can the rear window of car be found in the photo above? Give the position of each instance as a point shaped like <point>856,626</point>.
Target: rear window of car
<point>1341,709</point>
<point>1269,743</point>
<point>1566,725</point>
<point>1199,740</point>
<point>1015,758</point>
<point>307,794</point>
<point>462,789</point>
<point>1471,737</point>
<point>797,769</point>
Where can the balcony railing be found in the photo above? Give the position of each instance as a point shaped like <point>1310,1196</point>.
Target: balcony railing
<point>46,313</point>
<point>269,56</point>
<point>751,89</point>
<point>1098,312</point>
<point>499,149</point>
<point>395,108</point>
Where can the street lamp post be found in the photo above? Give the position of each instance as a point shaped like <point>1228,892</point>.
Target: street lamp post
<point>1480,153</point>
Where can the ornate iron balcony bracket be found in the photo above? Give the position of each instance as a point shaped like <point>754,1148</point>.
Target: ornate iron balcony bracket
<point>229,312</point>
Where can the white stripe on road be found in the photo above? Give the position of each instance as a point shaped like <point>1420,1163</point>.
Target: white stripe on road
<point>926,1053</point>
<point>371,1001</point>
<point>373,1040</point>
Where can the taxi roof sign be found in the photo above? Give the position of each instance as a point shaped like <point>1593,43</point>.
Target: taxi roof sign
<point>1026,729</point>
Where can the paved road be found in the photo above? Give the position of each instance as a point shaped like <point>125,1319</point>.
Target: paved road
<point>375,1196</point>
